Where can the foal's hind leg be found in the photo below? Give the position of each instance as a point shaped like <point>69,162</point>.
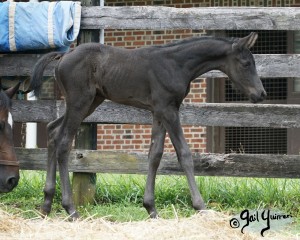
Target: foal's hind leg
<point>155,154</point>
<point>49,188</point>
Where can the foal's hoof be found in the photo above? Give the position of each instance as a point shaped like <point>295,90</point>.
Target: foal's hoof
<point>44,212</point>
<point>74,216</point>
<point>153,215</point>
<point>200,206</point>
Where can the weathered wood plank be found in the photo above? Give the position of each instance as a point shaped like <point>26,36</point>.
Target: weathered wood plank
<point>235,165</point>
<point>205,114</point>
<point>212,18</point>
<point>34,111</point>
<point>268,65</point>
<point>15,64</point>
<point>208,114</point>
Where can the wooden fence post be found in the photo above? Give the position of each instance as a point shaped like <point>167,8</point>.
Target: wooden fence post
<point>84,184</point>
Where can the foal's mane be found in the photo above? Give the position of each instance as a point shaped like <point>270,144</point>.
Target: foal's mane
<point>194,40</point>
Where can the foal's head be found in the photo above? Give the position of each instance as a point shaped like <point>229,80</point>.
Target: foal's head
<point>9,166</point>
<point>241,69</point>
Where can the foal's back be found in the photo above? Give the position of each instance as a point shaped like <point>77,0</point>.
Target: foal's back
<point>117,74</point>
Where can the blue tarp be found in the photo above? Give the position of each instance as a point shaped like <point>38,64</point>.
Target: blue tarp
<point>33,26</point>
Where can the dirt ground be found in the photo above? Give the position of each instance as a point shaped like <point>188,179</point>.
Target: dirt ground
<point>208,225</point>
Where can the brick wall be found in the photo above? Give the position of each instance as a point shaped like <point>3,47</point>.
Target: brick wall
<point>140,38</point>
<point>137,137</point>
<point>48,89</point>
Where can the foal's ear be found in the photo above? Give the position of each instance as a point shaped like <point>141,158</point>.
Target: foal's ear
<point>11,91</point>
<point>247,42</point>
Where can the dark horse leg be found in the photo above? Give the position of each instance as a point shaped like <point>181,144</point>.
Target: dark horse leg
<point>61,133</point>
<point>169,120</point>
<point>155,154</point>
<point>49,189</point>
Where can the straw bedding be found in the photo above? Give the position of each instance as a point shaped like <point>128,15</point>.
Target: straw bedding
<point>208,225</point>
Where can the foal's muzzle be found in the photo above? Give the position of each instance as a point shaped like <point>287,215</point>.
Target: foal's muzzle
<point>254,98</point>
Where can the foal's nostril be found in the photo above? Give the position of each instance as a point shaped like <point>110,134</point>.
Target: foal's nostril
<point>12,182</point>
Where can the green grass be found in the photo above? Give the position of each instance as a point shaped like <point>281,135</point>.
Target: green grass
<point>119,197</point>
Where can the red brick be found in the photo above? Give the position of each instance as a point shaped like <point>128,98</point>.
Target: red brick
<point>127,126</point>
<point>158,42</point>
<point>118,142</point>
<point>108,147</point>
<point>119,34</point>
<point>127,147</point>
<point>138,33</point>
<point>118,131</point>
<point>129,38</point>
<point>99,131</point>
<point>107,137</point>
<point>110,126</point>
<point>135,131</point>
<point>198,130</point>
<point>139,43</point>
<point>110,39</point>
<point>168,37</point>
<point>137,141</point>
<point>119,44</point>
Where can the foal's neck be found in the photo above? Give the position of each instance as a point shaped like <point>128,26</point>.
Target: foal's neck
<point>202,55</point>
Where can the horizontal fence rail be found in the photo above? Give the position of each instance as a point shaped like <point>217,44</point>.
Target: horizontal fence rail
<point>235,165</point>
<point>268,65</point>
<point>205,114</point>
<point>208,18</point>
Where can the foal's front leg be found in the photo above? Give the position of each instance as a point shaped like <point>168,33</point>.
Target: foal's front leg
<point>67,133</point>
<point>75,113</point>
<point>155,154</point>
<point>171,122</point>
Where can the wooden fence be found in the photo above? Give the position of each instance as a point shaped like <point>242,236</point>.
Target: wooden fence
<point>250,115</point>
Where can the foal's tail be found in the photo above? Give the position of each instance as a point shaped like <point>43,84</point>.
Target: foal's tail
<point>36,80</point>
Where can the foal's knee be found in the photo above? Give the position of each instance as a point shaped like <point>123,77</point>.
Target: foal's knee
<point>185,159</point>
<point>62,148</point>
<point>154,159</point>
<point>184,155</point>
<point>156,155</point>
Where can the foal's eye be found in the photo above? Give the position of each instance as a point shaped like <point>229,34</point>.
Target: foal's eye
<point>245,64</point>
